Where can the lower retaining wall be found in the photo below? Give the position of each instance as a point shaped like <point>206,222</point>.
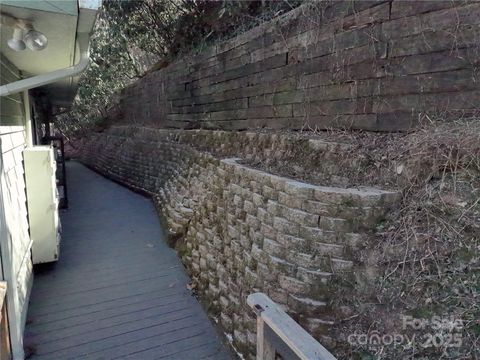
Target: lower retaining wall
<point>240,230</point>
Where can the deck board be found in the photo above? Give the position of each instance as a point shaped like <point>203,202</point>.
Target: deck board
<point>118,290</point>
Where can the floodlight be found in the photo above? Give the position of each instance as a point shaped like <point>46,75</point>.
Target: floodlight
<point>16,42</point>
<point>35,40</point>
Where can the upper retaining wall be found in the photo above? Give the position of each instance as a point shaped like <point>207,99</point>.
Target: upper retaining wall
<point>375,65</point>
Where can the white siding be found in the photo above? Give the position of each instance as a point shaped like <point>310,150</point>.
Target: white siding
<point>13,190</point>
<point>11,107</point>
<point>14,237</point>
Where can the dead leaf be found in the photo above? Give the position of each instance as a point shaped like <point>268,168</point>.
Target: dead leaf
<point>191,286</point>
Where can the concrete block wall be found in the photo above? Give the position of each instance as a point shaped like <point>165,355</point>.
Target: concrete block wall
<point>239,230</point>
<point>376,65</point>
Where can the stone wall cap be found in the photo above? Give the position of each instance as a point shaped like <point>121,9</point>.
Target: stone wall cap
<point>362,191</point>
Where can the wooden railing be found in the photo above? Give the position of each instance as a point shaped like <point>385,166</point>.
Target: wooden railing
<point>279,334</point>
<point>5,352</point>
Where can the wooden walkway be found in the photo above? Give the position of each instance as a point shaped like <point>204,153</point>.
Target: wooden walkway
<point>118,290</point>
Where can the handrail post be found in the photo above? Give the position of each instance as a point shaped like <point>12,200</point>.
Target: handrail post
<point>265,350</point>
<point>283,327</point>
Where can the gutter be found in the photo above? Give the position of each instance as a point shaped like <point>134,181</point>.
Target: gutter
<point>87,13</point>
<point>51,77</point>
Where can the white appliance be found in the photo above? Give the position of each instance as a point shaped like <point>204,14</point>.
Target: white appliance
<point>42,202</point>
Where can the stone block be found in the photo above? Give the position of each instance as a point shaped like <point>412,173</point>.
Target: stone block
<point>268,231</point>
<point>211,261</point>
<point>195,267</point>
<point>233,232</point>
<point>302,259</point>
<point>221,272</point>
<point>226,321</point>
<point>250,207</point>
<point>237,320</point>
<point>238,263</point>
<point>336,224</point>
<point>299,189</point>
<point>270,193</point>
<point>213,290</point>
<point>339,265</point>
<point>253,222</point>
<point>290,200</point>
<point>274,208</point>
<point>305,304</point>
<point>277,182</point>
<point>256,189</point>
<point>264,216</point>
<point>202,248</point>
<point>258,200</point>
<point>284,226</point>
<point>273,248</point>
<point>203,264</point>
<point>257,237</point>
<point>258,254</point>
<point>248,259</point>
<point>228,251</point>
<point>265,273</point>
<point>229,263</point>
<point>237,201</point>
<point>235,189</point>
<point>217,243</point>
<point>239,338</point>
<point>313,277</point>
<point>224,302</point>
<point>300,217</point>
<point>317,326</point>
<point>280,296</point>
<point>195,255</point>
<point>326,249</point>
<point>234,300</point>
<point>315,234</point>
<point>251,278</point>
<point>315,207</point>
<point>402,9</point>
<point>280,266</point>
<point>236,247</point>
<point>231,217</point>
<point>245,241</point>
<point>353,240</point>
<point>360,196</point>
<point>292,242</point>
<point>292,285</point>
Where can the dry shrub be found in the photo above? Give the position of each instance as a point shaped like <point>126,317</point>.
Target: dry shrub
<point>440,149</point>
<point>424,259</point>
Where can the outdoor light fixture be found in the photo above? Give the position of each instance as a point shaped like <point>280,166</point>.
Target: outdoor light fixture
<point>16,42</point>
<point>35,40</point>
<point>24,35</point>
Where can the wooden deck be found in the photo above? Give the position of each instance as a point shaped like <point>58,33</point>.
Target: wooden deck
<point>118,290</point>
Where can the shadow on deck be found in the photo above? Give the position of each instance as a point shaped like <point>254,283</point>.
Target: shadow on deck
<point>118,290</point>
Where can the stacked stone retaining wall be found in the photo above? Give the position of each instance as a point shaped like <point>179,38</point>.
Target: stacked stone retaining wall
<point>239,229</point>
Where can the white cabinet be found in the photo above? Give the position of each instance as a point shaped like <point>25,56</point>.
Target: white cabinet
<point>42,203</point>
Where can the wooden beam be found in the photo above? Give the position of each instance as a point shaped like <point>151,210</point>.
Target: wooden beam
<point>291,333</point>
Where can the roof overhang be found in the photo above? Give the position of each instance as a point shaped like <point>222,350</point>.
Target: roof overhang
<point>67,24</point>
